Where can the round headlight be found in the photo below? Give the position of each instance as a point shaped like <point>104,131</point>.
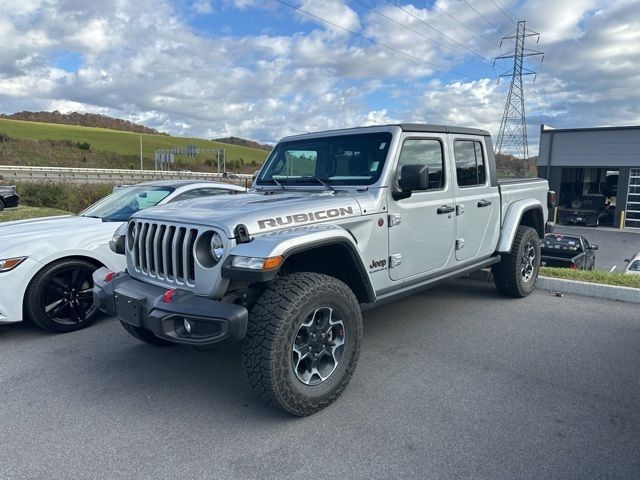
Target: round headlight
<point>217,246</point>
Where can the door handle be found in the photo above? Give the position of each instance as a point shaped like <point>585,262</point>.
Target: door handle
<point>445,209</point>
<point>483,203</point>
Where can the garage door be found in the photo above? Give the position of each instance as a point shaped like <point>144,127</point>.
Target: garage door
<point>633,201</point>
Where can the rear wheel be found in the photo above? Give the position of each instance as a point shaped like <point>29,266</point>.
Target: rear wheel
<point>60,296</point>
<point>517,272</point>
<point>146,336</point>
<point>303,342</point>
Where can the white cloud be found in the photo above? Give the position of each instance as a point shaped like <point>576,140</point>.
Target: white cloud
<point>204,7</point>
<point>142,61</point>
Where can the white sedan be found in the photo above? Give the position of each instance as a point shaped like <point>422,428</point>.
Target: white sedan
<point>46,264</point>
<point>634,265</point>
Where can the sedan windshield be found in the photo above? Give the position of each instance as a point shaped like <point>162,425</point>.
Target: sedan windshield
<point>635,266</point>
<point>338,160</point>
<point>123,203</point>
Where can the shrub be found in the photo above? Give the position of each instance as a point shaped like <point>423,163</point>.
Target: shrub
<point>83,146</point>
<point>64,196</point>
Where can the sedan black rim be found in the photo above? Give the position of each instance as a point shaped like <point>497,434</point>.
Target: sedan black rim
<point>68,296</point>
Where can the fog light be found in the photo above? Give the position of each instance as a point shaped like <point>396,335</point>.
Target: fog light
<point>187,326</point>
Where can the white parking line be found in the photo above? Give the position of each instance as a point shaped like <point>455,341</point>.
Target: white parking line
<point>613,268</point>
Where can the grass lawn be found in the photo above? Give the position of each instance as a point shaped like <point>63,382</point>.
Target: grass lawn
<point>22,212</point>
<point>126,144</point>
<point>592,276</point>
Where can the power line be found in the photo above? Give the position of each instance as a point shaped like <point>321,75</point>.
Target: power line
<point>420,33</point>
<point>481,15</point>
<point>393,49</point>
<point>436,30</point>
<point>463,24</point>
<point>510,17</point>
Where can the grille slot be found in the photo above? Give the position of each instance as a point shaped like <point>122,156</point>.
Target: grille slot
<point>165,252</point>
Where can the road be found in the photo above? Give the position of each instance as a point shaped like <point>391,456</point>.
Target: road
<point>456,382</point>
<point>613,245</point>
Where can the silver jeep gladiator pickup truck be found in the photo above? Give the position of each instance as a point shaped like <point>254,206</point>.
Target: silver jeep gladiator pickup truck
<point>335,222</point>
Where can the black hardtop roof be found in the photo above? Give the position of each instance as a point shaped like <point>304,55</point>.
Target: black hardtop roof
<point>425,127</point>
<point>405,127</point>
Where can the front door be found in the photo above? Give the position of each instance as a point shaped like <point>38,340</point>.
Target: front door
<point>422,227</point>
<point>477,201</point>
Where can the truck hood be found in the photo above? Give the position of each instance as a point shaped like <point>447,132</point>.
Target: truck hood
<point>259,212</point>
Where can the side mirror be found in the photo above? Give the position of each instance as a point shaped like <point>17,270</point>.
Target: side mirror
<point>594,247</point>
<point>116,245</point>
<point>627,260</point>
<point>412,177</point>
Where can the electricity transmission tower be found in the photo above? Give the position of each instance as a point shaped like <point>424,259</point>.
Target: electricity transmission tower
<point>512,137</point>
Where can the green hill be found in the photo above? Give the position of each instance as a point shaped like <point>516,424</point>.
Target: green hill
<point>48,144</point>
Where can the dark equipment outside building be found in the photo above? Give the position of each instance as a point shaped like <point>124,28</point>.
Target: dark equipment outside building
<point>596,173</point>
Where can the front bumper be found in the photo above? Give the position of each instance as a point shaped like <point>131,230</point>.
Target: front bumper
<point>141,305</point>
<point>13,285</point>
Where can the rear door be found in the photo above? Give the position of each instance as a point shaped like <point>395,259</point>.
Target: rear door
<point>421,227</point>
<point>477,200</point>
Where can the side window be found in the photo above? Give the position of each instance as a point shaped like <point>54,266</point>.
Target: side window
<point>470,163</point>
<point>424,152</point>
<point>197,193</point>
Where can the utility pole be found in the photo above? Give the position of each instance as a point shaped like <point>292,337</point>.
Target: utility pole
<point>141,166</point>
<point>512,137</point>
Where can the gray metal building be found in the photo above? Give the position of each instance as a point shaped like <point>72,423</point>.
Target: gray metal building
<point>592,162</point>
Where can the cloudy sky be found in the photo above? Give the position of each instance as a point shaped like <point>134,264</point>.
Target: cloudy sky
<point>262,69</point>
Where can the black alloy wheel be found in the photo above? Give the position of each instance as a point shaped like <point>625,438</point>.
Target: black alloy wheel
<point>60,296</point>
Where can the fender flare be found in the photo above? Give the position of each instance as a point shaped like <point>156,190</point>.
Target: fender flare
<point>512,221</point>
<point>294,241</point>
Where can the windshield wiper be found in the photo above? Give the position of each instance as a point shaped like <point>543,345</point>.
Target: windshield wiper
<point>276,182</point>
<point>322,182</point>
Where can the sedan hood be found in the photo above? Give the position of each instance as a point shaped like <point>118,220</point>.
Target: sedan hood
<point>19,235</point>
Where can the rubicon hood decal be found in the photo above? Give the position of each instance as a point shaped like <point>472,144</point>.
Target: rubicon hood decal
<point>300,218</point>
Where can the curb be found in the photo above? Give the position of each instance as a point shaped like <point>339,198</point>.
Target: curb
<point>586,289</point>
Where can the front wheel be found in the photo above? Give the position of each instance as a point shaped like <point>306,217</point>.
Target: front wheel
<point>303,342</point>
<point>2,205</point>
<point>517,272</point>
<point>60,296</point>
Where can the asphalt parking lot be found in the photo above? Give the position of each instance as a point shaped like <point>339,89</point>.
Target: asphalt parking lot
<point>613,245</point>
<point>455,382</point>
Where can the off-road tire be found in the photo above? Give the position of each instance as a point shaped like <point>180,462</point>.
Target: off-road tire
<point>507,275</point>
<point>34,296</point>
<point>146,336</point>
<point>273,325</point>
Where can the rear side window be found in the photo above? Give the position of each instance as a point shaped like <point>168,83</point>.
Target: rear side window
<point>470,163</point>
<point>424,152</point>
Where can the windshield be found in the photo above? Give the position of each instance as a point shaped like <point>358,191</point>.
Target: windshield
<point>561,243</point>
<point>339,160</point>
<point>634,266</point>
<point>123,203</point>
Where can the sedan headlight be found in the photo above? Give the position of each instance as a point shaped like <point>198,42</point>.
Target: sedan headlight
<point>217,246</point>
<point>10,263</point>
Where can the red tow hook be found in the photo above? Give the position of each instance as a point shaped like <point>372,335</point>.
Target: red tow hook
<point>109,276</point>
<point>168,295</point>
